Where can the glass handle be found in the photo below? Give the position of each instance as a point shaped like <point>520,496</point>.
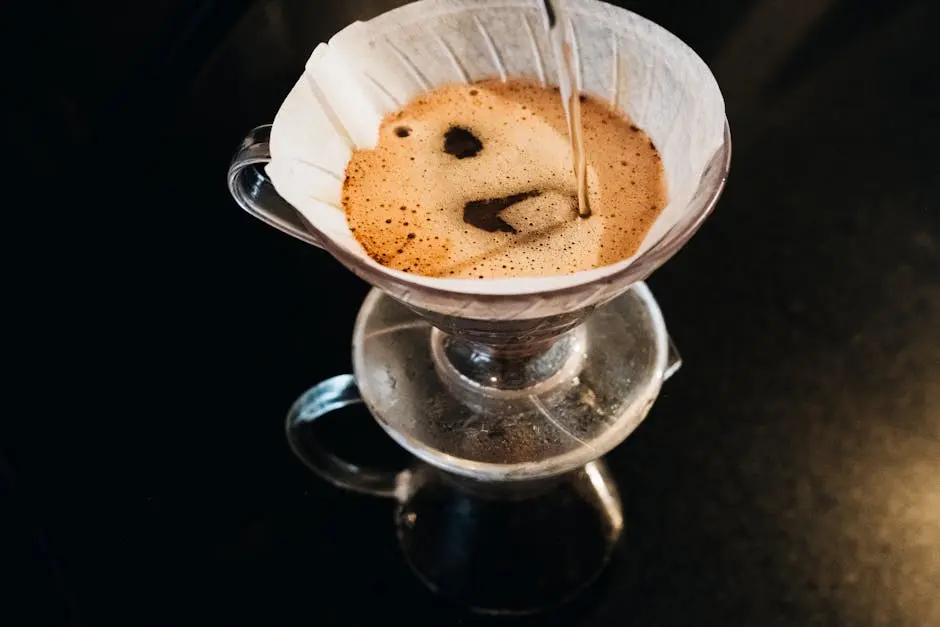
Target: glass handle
<point>330,395</point>
<point>254,192</point>
<point>673,360</point>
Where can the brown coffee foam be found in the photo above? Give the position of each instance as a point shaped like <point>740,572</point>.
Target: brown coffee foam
<point>404,199</point>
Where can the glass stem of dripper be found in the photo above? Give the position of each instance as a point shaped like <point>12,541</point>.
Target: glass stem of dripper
<point>483,375</point>
<point>570,94</point>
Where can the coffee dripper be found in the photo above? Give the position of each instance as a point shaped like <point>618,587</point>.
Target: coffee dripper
<point>506,401</point>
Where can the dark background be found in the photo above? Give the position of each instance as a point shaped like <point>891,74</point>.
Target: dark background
<point>789,475</point>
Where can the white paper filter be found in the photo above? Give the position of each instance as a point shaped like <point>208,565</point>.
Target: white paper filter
<point>372,68</point>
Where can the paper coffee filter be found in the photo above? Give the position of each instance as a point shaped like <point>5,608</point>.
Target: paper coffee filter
<point>372,68</point>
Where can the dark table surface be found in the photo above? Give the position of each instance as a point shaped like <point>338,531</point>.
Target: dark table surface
<point>789,475</point>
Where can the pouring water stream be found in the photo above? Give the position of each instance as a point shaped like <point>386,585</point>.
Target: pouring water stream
<point>560,36</point>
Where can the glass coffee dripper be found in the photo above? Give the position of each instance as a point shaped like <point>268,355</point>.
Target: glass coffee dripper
<point>507,402</point>
<point>506,392</point>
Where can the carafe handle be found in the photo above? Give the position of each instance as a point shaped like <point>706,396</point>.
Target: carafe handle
<point>254,192</point>
<point>329,395</point>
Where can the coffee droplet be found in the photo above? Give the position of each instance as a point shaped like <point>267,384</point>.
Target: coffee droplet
<point>461,143</point>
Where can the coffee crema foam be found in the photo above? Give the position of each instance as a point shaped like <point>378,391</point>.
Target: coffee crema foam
<point>476,181</point>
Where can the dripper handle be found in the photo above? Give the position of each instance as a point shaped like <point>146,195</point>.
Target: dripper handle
<point>253,191</point>
<point>330,395</point>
